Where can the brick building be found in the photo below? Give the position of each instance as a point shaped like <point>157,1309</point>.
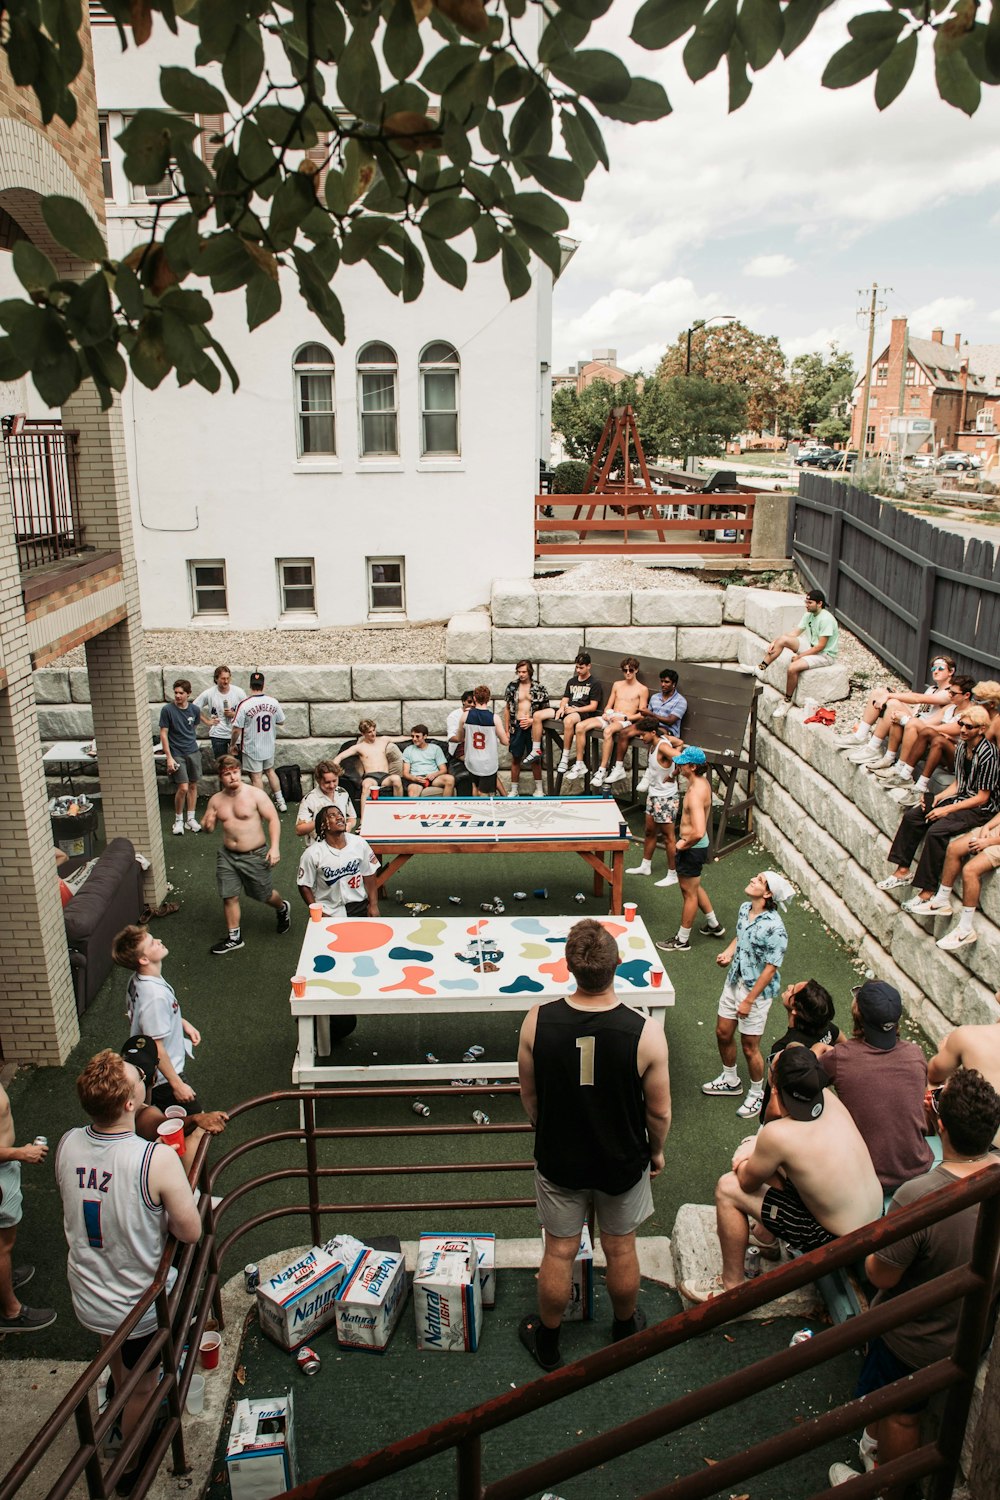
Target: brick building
<point>956,385</point>
<point>603,365</point>
<point>67,576</point>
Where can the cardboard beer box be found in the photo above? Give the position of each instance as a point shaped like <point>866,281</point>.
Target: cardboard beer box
<point>485,1245</point>
<point>260,1455</point>
<point>447,1297</point>
<point>346,1248</point>
<point>580,1307</point>
<point>370,1300</point>
<point>297,1303</point>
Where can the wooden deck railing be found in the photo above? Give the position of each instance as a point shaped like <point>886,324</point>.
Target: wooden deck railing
<point>661,526</point>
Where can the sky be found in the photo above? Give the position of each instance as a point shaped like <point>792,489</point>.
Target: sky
<point>784,213</point>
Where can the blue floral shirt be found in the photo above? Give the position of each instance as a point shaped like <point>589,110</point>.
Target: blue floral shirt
<point>760,940</point>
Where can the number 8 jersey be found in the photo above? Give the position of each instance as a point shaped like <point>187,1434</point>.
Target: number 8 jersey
<point>481,755</point>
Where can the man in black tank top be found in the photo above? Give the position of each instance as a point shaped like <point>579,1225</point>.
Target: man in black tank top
<point>595,1084</point>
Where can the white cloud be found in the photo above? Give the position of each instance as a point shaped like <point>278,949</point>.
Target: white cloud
<point>769,265</point>
<point>944,312</point>
<point>844,335</point>
<point>994,316</point>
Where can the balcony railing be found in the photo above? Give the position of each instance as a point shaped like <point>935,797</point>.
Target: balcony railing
<point>41,459</point>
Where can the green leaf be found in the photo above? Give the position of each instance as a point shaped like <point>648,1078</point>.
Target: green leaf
<point>877,26</point>
<point>88,311</point>
<point>187,303</point>
<point>800,19</point>
<point>71,226</point>
<point>148,354</point>
<point>226,261</point>
<point>894,74</point>
<point>855,61</point>
<point>358,82</point>
<point>388,269</point>
<point>491,133</point>
<point>191,94</point>
<point>516,275</point>
<point>317,295</point>
<point>564,33</point>
<point>658,23</point>
<point>992,41</point>
<point>739,84</point>
<point>446,262</point>
<point>538,209</point>
<point>243,63</point>
<point>577,142</point>
<point>760,27</point>
<point>413,271</point>
<point>556,175</point>
<point>13,362</point>
<point>710,42</point>
<point>645,100</point>
<point>589,10</point>
<point>481,187</point>
<point>445,66</point>
<point>531,127</point>
<point>401,44</point>
<point>106,365</point>
<point>284,127</point>
<point>594,135</point>
<point>55,368</point>
<point>448,217</point>
<point>600,76</point>
<point>545,246</point>
<point>293,200</point>
<point>225,362</point>
<point>182,244</point>
<point>975,53</point>
<point>956,82</point>
<point>33,269</point>
<point>487,238</point>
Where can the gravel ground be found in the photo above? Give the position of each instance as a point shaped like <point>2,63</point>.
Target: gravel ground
<point>619,574</point>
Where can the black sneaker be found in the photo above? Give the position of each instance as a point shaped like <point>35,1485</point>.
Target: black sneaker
<point>284,916</point>
<point>709,931</point>
<point>28,1320</point>
<point>21,1275</point>
<point>228,945</point>
<point>675,945</point>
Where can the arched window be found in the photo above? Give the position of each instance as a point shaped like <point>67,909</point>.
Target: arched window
<point>315,413</point>
<point>439,400</point>
<point>378,400</point>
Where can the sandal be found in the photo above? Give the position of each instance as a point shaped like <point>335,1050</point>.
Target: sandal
<point>165,909</point>
<point>527,1331</point>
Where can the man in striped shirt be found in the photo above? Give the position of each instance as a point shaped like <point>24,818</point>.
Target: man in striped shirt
<point>971,799</point>
<point>255,727</point>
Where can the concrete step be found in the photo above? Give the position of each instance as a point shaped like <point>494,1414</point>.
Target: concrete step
<point>697,1258</point>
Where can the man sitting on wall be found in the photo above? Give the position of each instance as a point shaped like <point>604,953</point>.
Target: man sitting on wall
<point>424,771</point>
<point>815,644</point>
<point>374,750</point>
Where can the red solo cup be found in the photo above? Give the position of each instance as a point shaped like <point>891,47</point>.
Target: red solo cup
<point>629,910</point>
<point>208,1350</point>
<point>175,1112</point>
<point>373,794</point>
<point>656,978</point>
<point>315,912</point>
<point>298,986</point>
<point>171,1133</point>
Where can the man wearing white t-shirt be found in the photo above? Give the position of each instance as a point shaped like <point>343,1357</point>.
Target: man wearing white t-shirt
<point>154,1010</point>
<point>218,705</point>
<point>327,792</point>
<point>339,869</point>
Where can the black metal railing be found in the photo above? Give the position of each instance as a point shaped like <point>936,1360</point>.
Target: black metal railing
<point>42,467</point>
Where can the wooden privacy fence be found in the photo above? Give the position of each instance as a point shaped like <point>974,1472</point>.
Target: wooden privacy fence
<point>904,587</point>
<point>650,525</point>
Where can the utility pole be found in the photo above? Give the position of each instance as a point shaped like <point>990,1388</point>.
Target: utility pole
<point>873,312</point>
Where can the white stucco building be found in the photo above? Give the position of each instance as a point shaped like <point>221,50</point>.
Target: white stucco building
<point>391,477</point>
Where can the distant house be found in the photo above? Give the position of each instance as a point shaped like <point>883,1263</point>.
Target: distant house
<point>956,386</point>
<point>602,365</point>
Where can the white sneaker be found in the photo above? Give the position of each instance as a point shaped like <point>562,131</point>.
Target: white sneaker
<point>843,1474</point>
<point>781,709</point>
<point>848,742</point>
<point>178,825</point>
<point>644,869</point>
<point>563,765</point>
<point>955,939</point>
<point>618,774</point>
<point>906,796</point>
<point>930,908</point>
<point>281,804</point>
<point>893,883</point>
<point>883,763</point>
<point>577,771</point>
<point>599,777</point>
<point>192,825</point>
<point>512,793</point>
<point>722,1085</point>
<point>892,776</point>
<point>533,755</point>
<point>750,1108</point>
<point>642,785</point>
<point>538,792</point>
<point>865,753</point>
<point>669,879</point>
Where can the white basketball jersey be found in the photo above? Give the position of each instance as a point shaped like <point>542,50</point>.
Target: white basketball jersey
<point>481,742</point>
<point>114,1230</point>
<point>659,778</point>
<point>259,716</point>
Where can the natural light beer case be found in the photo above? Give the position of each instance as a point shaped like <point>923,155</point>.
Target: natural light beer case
<point>486,1248</point>
<point>260,1455</point>
<point>580,1307</point>
<point>370,1300</point>
<point>298,1302</point>
<point>447,1298</point>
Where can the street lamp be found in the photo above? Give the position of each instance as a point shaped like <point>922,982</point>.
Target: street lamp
<point>703,323</point>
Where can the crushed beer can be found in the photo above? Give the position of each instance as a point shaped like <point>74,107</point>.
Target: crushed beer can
<point>307,1360</point>
<point>480,1117</point>
<point>417,907</point>
<point>430,1058</point>
<point>473,1052</point>
<point>580,897</point>
<point>802,1337</point>
<point>398,895</point>
<point>520,895</point>
<point>455,900</point>
<point>419,1108</point>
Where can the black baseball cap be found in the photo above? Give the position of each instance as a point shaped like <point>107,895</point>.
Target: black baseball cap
<point>880,1007</point>
<point>800,1080</point>
<point>141,1052</point>
<point>256,679</point>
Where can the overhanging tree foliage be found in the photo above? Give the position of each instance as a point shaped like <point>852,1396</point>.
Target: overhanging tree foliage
<point>733,354</point>
<point>328,163</point>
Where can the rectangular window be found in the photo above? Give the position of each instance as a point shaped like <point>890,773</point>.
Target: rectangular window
<point>881,374</point>
<point>104,132</point>
<point>297,583</point>
<point>386,585</point>
<point>440,433</point>
<point>208,588</point>
<point>379,414</point>
<point>870,439</point>
<point>317,425</point>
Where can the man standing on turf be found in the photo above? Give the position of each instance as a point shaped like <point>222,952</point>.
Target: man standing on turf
<point>121,1197</point>
<point>691,850</point>
<point>15,1316</point>
<point>178,721</point>
<point>482,732</point>
<point>255,729</point>
<point>154,1010</point>
<point>754,979</point>
<point>595,1084</point>
<point>246,859</point>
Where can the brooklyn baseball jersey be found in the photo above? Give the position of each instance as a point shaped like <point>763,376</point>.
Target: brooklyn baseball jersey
<point>258,718</point>
<point>114,1230</point>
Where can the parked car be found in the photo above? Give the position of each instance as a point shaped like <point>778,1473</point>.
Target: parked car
<point>840,459</point>
<point>921,460</point>
<point>811,456</point>
<point>960,461</point>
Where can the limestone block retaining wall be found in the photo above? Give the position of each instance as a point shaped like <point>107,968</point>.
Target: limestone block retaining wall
<point>830,825</point>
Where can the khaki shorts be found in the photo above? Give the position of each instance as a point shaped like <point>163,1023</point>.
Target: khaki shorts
<point>236,872</point>
<point>257,766</point>
<point>754,1023</point>
<point>563,1211</point>
<point>822,660</point>
<point>991,854</point>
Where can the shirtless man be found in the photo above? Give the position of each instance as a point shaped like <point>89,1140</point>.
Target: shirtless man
<point>525,708</point>
<point>15,1316</point>
<point>627,701</point>
<point>805,1177</point>
<point>245,861</point>
<point>692,850</point>
<point>372,749</point>
<point>969,1047</point>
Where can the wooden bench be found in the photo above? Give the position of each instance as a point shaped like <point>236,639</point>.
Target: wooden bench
<point>721,715</point>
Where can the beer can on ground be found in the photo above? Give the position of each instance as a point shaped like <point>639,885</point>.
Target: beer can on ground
<point>800,1338</point>
<point>751,1262</point>
<point>307,1360</point>
<point>41,1140</point>
<point>480,1118</point>
<point>419,1108</point>
<point>251,1277</point>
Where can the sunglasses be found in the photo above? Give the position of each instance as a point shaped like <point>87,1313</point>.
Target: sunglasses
<point>964,724</point>
<point>940,666</point>
<point>933,1098</point>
